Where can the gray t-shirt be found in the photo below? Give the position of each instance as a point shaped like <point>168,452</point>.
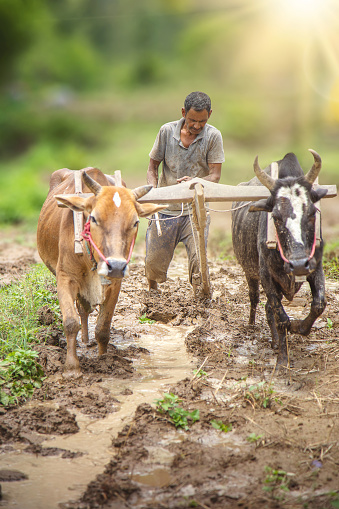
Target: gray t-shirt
<point>179,161</point>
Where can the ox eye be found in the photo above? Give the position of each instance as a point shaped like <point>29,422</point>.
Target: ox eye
<point>136,223</point>
<point>93,220</point>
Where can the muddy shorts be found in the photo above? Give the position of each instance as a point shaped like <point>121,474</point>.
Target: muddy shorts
<point>160,249</point>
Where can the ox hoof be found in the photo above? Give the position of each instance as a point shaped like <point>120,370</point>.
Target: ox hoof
<point>71,374</point>
<point>282,366</point>
<point>296,327</point>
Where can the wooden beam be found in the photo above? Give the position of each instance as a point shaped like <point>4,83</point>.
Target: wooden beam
<point>78,216</point>
<point>184,192</point>
<point>200,219</point>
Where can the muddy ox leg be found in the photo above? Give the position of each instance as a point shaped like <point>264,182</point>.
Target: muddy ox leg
<point>253,291</point>
<point>282,324</point>
<point>277,318</point>
<point>317,285</point>
<point>102,329</point>
<point>271,323</point>
<point>67,293</point>
<point>84,322</point>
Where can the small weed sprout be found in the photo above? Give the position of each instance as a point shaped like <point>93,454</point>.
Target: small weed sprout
<point>335,502</point>
<point>276,481</point>
<point>261,395</point>
<point>200,373</point>
<point>220,426</point>
<point>143,319</point>
<point>170,405</point>
<point>329,323</point>
<point>254,438</point>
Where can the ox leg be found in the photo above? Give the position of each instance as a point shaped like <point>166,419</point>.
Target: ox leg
<point>102,329</point>
<point>317,285</point>
<point>271,323</point>
<point>277,318</point>
<point>253,290</point>
<point>84,322</point>
<point>67,295</point>
<point>282,323</point>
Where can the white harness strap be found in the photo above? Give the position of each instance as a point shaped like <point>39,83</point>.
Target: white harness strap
<point>271,241</point>
<point>78,216</point>
<point>317,218</point>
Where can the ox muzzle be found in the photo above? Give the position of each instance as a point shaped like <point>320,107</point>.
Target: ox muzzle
<point>300,267</point>
<point>113,268</point>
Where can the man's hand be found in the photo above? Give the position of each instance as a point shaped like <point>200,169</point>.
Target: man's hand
<point>184,179</point>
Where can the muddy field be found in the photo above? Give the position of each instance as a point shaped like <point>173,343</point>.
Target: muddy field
<point>100,441</point>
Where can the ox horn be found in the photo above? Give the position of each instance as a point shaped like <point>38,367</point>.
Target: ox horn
<point>139,192</point>
<point>265,179</point>
<point>315,170</point>
<point>90,183</point>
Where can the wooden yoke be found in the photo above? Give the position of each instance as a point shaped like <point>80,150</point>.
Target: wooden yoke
<point>271,239</point>
<point>78,218</point>
<point>317,218</point>
<point>200,220</point>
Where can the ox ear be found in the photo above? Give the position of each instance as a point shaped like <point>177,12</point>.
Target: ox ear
<point>75,203</point>
<point>147,209</point>
<point>262,206</point>
<point>317,194</point>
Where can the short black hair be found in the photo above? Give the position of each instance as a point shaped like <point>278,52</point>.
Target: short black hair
<point>197,101</point>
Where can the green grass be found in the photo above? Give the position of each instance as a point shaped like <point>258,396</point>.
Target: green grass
<point>20,303</point>
<point>179,416</point>
<point>20,372</point>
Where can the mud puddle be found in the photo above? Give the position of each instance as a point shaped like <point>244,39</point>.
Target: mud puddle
<point>53,479</point>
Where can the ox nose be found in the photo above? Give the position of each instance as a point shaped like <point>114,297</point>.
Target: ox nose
<point>113,269</point>
<point>301,267</point>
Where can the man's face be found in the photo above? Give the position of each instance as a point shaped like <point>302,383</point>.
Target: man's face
<point>195,120</point>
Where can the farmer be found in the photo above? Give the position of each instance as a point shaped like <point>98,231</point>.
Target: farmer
<point>187,148</point>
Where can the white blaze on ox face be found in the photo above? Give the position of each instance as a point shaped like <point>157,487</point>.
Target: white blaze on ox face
<point>298,199</point>
<point>117,199</point>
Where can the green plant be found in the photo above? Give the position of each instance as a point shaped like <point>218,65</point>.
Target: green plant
<point>331,262</point>
<point>143,319</point>
<point>335,502</point>
<point>220,426</point>
<point>261,394</point>
<point>199,373</point>
<point>277,481</point>
<point>329,323</point>
<point>20,374</point>
<point>20,305</point>
<point>253,437</point>
<point>170,405</point>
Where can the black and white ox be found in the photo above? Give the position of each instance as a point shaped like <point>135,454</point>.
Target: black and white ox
<point>292,203</point>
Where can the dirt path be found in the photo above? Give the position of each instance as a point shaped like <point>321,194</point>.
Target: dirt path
<point>282,444</point>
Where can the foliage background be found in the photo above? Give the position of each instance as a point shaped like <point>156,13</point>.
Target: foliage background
<point>88,83</point>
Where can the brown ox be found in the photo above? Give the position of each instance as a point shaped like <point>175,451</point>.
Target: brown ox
<point>114,214</point>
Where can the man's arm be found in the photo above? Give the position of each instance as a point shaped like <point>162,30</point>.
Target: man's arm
<point>213,176</point>
<point>215,172</point>
<point>152,172</point>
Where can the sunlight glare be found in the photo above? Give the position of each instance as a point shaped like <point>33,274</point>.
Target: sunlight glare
<point>305,12</point>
